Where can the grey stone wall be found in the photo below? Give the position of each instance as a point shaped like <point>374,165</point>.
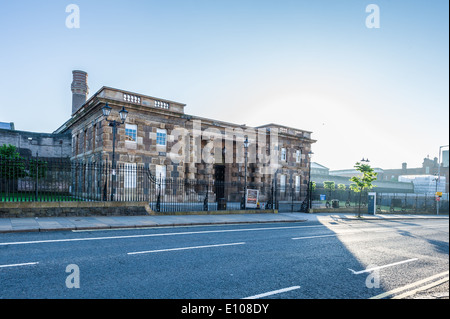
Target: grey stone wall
<point>46,144</point>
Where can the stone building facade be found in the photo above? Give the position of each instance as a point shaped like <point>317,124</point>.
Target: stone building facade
<point>159,135</point>
<point>45,145</point>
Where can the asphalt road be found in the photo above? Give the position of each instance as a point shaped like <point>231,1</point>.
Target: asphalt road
<point>308,260</point>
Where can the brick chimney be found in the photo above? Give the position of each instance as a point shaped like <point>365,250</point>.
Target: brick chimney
<point>80,89</point>
<point>404,168</point>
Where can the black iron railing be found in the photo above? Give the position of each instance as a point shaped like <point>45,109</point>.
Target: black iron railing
<point>58,180</point>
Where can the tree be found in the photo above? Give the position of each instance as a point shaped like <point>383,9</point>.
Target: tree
<point>361,183</point>
<point>38,168</point>
<point>12,165</point>
<point>341,190</point>
<point>330,186</point>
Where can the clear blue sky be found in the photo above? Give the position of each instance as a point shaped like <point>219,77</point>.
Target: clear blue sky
<point>377,93</point>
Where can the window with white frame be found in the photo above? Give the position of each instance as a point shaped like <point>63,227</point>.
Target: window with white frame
<point>298,156</point>
<point>161,137</point>
<point>130,132</point>
<point>283,154</point>
<point>297,184</point>
<point>129,175</point>
<point>283,183</point>
<point>160,173</point>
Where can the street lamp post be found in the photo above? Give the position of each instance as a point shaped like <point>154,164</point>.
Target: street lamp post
<point>246,144</point>
<point>438,181</point>
<point>309,183</point>
<point>114,124</point>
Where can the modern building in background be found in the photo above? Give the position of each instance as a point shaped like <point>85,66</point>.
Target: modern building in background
<point>445,158</point>
<point>7,126</point>
<point>321,174</point>
<point>425,177</point>
<point>419,180</point>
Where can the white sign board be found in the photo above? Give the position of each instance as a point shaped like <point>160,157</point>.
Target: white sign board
<point>251,198</point>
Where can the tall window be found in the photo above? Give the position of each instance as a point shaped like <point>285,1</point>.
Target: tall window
<point>75,142</point>
<point>94,136</point>
<point>85,141</point>
<point>161,137</point>
<point>130,175</point>
<point>282,183</point>
<point>298,156</point>
<point>160,174</point>
<point>130,132</point>
<point>297,184</point>
<point>283,154</point>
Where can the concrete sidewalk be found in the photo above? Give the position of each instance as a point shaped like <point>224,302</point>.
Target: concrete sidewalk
<point>8,225</point>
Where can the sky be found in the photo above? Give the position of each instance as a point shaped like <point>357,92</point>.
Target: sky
<point>377,93</point>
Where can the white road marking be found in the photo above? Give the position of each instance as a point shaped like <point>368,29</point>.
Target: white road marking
<point>366,230</point>
<point>119,228</point>
<point>270,293</point>
<point>151,235</point>
<point>412,285</point>
<point>413,292</point>
<point>198,232</point>
<point>308,237</point>
<point>17,265</point>
<point>381,267</point>
<point>183,248</point>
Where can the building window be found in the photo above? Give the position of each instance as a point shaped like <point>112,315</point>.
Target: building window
<point>297,184</point>
<point>282,183</point>
<point>94,136</point>
<point>298,156</point>
<point>160,174</point>
<point>161,137</point>
<point>283,154</point>
<point>76,141</point>
<point>130,175</point>
<point>130,132</point>
<point>85,141</point>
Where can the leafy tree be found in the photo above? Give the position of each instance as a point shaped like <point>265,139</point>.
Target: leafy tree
<point>331,186</point>
<point>12,165</point>
<point>361,183</point>
<point>342,187</point>
<point>38,167</point>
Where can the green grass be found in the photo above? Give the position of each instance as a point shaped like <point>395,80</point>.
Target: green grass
<point>31,197</point>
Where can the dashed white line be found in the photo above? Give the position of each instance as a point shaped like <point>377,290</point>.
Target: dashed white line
<point>381,267</point>
<point>18,265</point>
<point>270,293</point>
<point>183,248</point>
<point>309,237</point>
<point>153,235</point>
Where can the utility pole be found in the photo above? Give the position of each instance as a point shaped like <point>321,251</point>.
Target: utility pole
<point>438,181</point>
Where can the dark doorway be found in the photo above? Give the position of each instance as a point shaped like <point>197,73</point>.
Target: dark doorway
<point>219,181</point>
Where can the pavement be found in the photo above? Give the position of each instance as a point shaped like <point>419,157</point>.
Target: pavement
<point>8,225</point>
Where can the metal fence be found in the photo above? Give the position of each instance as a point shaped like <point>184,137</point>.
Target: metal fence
<point>53,180</point>
<point>386,202</point>
<point>56,180</point>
